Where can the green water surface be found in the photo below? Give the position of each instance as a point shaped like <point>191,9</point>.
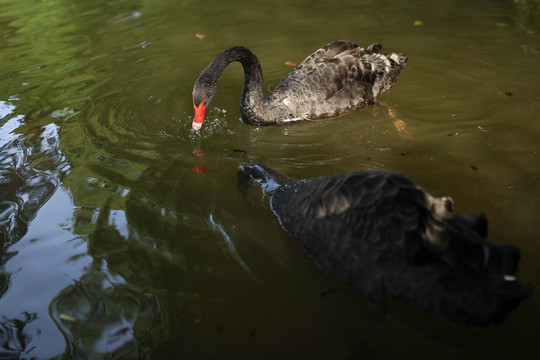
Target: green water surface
<point>123,234</point>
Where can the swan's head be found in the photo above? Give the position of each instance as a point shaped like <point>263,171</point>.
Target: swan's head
<point>270,179</point>
<point>203,93</point>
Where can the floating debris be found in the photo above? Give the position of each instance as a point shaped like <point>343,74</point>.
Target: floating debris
<point>482,129</point>
<point>201,36</point>
<point>66,317</point>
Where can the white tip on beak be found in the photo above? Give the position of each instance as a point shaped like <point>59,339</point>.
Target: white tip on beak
<point>196,126</point>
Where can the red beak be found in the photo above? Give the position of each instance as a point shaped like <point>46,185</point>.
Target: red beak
<point>199,116</point>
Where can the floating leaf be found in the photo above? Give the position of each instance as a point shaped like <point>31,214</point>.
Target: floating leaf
<point>290,63</point>
<point>66,317</point>
<point>418,23</point>
<point>502,25</point>
<point>201,36</point>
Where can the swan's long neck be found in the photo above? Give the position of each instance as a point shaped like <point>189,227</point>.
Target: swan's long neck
<point>251,103</point>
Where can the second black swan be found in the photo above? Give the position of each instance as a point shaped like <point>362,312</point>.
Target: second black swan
<point>336,79</point>
<point>381,233</point>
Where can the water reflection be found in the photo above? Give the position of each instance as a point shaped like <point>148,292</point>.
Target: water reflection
<point>67,256</point>
<point>100,314</point>
<point>13,339</point>
<point>32,168</point>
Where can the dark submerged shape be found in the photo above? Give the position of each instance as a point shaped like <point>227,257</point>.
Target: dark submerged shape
<point>381,233</point>
<point>336,79</point>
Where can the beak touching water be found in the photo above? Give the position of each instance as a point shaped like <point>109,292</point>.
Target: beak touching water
<point>199,116</point>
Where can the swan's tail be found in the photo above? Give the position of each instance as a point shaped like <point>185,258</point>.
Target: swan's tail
<point>386,67</point>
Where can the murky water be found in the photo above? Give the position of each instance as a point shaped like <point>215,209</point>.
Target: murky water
<point>123,235</point>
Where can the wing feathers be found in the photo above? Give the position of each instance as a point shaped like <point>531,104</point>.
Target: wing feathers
<point>339,78</point>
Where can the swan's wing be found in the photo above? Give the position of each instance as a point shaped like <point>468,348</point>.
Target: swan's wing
<point>353,224</point>
<point>327,52</point>
<point>364,203</point>
<point>344,221</point>
<point>338,78</point>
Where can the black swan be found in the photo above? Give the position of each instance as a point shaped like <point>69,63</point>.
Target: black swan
<point>334,80</point>
<point>381,233</point>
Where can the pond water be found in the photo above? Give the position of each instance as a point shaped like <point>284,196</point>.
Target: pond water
<point>123,234</point>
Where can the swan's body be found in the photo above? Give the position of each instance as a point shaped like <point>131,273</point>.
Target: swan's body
<point>381,233</point>
<point>336,79</point>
